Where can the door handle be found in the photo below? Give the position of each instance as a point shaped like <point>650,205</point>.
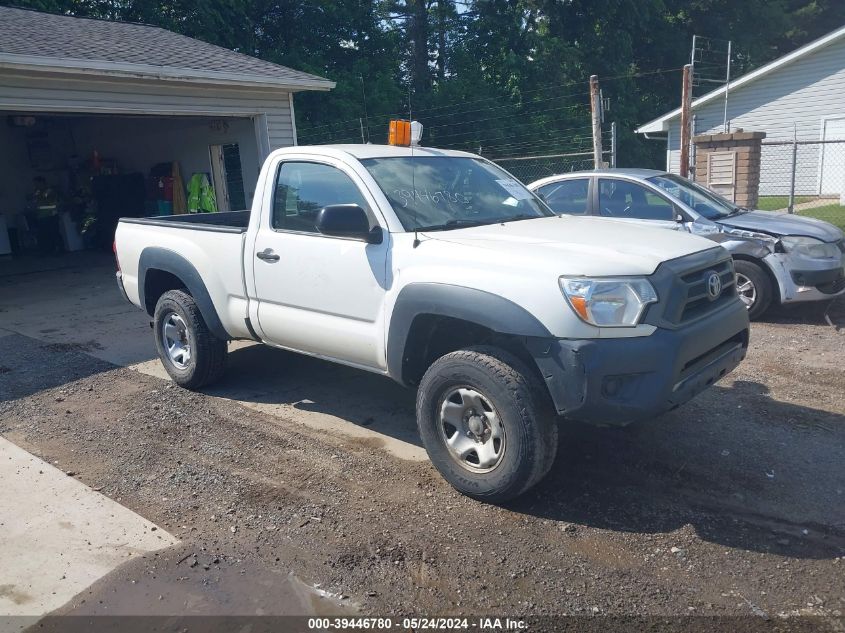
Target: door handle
<point>267,255</point>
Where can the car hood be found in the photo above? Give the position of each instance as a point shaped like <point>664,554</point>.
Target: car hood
<point>779,224</point>
<point>576,245</point>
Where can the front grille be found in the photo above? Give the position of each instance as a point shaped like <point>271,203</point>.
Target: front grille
<point>841,245</point>
<point>698,301</point>
<point>682,288</point>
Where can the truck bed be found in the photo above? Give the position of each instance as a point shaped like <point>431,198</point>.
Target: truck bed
<point>229,222</point>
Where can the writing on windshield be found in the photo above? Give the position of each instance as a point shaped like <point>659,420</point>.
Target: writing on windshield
<point>406,196</point>
<point>442,192</point>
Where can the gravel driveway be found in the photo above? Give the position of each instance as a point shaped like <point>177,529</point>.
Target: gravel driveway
<point>734,504</point>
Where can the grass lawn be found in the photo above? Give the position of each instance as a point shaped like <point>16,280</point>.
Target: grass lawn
<point>773,203</point>
<point>833,213</point>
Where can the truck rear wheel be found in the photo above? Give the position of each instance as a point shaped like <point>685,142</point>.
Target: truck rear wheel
<point>753,287</point>
<point>190,353</point>
<point>486,423</point>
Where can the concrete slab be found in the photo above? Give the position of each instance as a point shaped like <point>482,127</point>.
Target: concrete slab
<point>323,396</point>
<point>78,306</point>
<point>59,535</point>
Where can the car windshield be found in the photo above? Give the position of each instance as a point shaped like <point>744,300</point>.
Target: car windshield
<point>446,192</point>
<point>704,201</point>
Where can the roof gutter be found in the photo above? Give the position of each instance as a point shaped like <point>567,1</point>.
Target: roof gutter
<point>650,136</point>
<point>764,70</point>
<point>30,63</point>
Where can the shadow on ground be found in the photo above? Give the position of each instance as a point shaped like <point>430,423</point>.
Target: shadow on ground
<point>742,468</point>
<point>828,313</point>
<point>262,375</point>
<point>28,366</point>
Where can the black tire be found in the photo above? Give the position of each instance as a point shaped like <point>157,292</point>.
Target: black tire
<point>207,361</point>
<point>762,283</point>
<point>520,402</point>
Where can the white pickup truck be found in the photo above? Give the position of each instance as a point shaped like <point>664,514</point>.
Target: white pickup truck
<point>441,271</point>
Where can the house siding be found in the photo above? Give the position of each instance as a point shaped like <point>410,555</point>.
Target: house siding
<point>798,96</point>
<point>28,93</point>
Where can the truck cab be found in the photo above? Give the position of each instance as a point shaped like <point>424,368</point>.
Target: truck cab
<point>439,270</point>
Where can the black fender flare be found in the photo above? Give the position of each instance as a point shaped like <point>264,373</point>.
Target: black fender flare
<point>166,260</point>
<point>486,309</point>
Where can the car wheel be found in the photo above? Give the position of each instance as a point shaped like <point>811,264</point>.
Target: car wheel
<point>190,353</point>
<point>487,423</point>
<point>753,287</point>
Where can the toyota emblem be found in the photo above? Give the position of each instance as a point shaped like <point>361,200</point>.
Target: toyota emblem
<point>714,285</point>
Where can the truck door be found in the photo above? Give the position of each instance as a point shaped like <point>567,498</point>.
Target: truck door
<point>319,294</point>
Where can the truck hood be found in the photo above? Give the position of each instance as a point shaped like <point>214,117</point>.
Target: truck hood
<point>780,224</point>
<point>578,245</point>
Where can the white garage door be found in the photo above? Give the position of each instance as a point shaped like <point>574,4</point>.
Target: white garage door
<point>833,158</point>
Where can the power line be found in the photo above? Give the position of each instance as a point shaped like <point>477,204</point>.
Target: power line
<point>522,92</point>
<point>571,143</point>
<point>528,138</point>
<point>500,118</point>
<point>352,122</point>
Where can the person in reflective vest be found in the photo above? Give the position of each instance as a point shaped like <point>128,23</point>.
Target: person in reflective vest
<point>45,202</point>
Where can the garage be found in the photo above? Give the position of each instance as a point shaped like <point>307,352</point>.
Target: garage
<point>100,120</point>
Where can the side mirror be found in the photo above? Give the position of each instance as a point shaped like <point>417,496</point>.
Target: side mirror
<point>348,220</point>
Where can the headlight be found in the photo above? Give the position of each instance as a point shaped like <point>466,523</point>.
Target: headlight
<point>809,247</point>
<point>608,302</point>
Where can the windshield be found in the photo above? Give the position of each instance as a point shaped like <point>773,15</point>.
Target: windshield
<point>704,201</point>
<point>444,192</point>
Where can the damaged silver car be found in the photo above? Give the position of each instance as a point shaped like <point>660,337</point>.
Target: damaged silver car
<point>778,258</point>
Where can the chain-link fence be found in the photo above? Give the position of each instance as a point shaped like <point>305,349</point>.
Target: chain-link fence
<point>578,157</point>
<point>805,177</point>
<point>531,168</point>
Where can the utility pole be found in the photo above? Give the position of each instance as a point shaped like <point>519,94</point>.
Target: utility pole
<point>614,144</point>
<point>727,89</point>
<point>595,107</point>
<point>686,101</point>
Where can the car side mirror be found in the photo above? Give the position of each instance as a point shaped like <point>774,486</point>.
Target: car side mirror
<point>348,220</point>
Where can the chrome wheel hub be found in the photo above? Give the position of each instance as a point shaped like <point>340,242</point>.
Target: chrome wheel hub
<point>746,290</point>
<point>471,429</point>
<point>176,339</point>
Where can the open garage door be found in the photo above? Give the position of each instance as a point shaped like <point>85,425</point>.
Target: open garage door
<point>68,177</point>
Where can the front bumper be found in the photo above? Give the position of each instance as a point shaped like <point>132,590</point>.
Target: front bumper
<point>802,279</point>
<point>617,381</point>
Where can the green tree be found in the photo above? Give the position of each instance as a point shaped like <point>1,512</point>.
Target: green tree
<point>506,76</point>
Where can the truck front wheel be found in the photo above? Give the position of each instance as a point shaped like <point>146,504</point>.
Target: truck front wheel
<point>486,423</point>
<point>190,353</point>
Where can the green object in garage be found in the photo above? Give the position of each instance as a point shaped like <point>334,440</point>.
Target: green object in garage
<point>201,195</point>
